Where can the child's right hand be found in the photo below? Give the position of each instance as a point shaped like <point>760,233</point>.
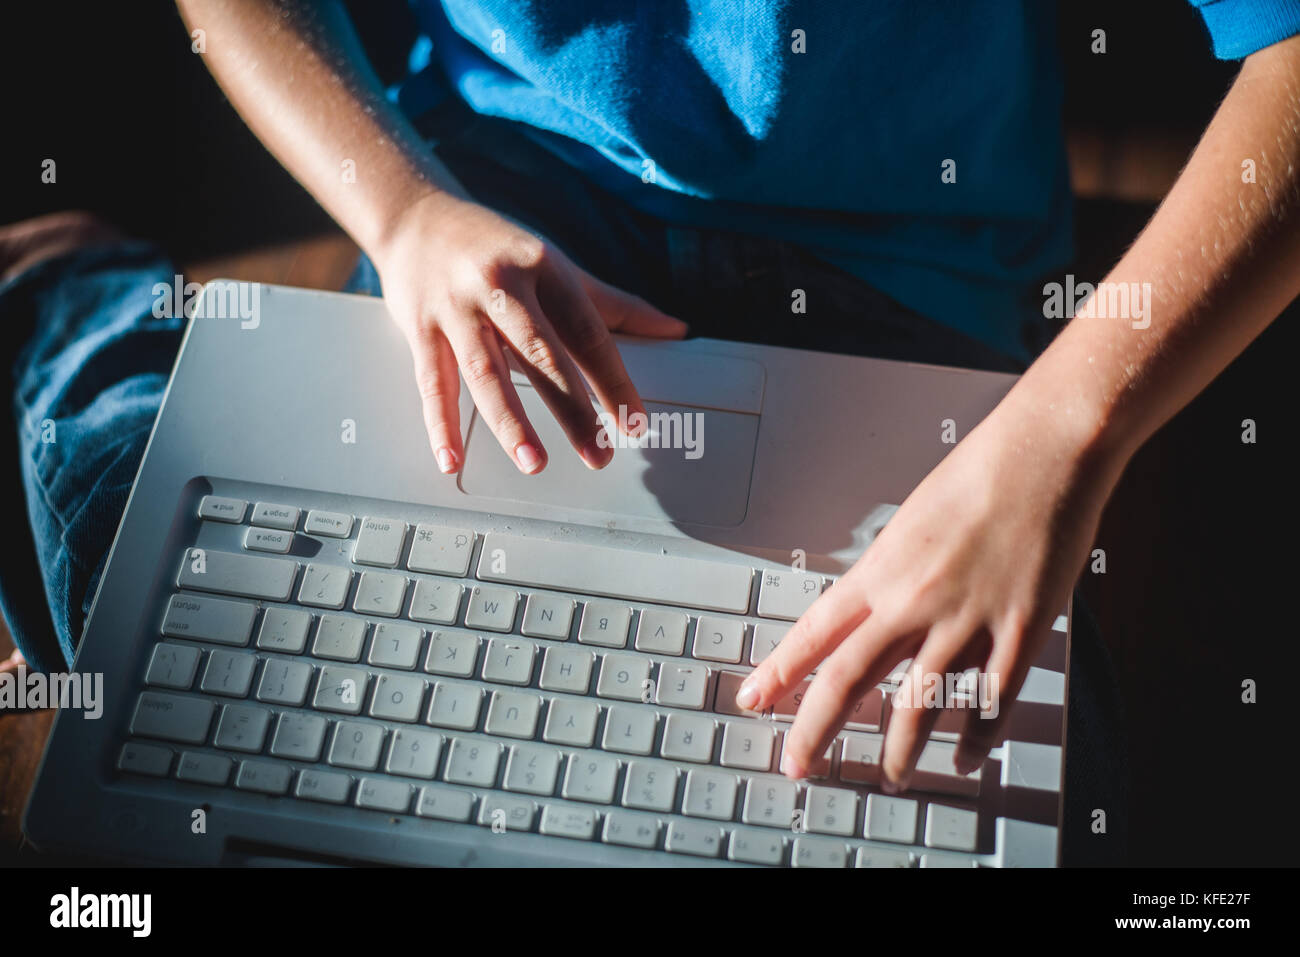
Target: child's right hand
<point>469,287</point>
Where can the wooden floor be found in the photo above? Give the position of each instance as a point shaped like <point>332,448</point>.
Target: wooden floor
<point>323,262</point>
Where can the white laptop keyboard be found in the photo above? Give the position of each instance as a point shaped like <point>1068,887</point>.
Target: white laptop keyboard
<point>577,692</point>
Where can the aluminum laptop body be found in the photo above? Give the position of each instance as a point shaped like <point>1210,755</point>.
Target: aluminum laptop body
<point>336,653</point>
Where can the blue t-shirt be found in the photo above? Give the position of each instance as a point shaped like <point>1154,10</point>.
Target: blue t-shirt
<point>915,143</point>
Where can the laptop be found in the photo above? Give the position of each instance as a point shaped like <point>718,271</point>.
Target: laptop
<point>316,648</point>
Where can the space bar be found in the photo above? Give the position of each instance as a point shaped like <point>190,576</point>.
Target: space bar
<point>615,572</point>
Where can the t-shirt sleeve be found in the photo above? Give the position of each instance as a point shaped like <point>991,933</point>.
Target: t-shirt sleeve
<point>1240,27</point>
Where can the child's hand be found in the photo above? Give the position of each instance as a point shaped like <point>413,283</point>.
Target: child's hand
<point>468,287</point>
<point>970,572</point>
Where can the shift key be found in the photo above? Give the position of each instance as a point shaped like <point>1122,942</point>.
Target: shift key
<point>249,576</point>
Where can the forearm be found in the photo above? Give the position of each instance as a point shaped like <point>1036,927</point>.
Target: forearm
<point>1222,259</point>
<point>296,73</point>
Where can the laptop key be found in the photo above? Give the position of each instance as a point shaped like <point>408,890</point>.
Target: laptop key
<point>414,753</point>
<point>455,706</point>
<point>547,616</point>
<point>630,730</point>
<point>616,573</point>
<point>513,715</point>
<point>435,602</point>
<point>357,745</point>
<point>890,819</point>
<point>860,758</point>
<point>446,804</point>
<point>498,811</point>
<point>299,736</point>
<point>718,639</point>
<point>172,666</point>
<point>787,594</point>
<point>248,576</point>
<point>818,852</point>
<point>571,721</point>
<point>442,551</point>
<point>398,698</point>
<point>380,594</point>
<point>873,855</point>
<point>229,673</point>
<point>492,609</point>
<point>451,653</point>
<point>324,586</point>
<point>756,847</point>
<point>217,508</point>
<point>682,685</point>
<point>936,771</point>
<point>275,516</point>
<point>395,646</point>
<point>473,762</point>
<point>577,823</point>
<point>140,758</point>
<point>650,786</point>
<point>329,524</point>
<point>747,746</point>
<point>532,769</point>
<point>591,777</point>
<point>693,837</point>
<point>339,638</point>
<point>172,717</point>
<point>379,542</point>
<point>625,677</point>
<point>284,682</point>
<point>380,794</point>
<point>200,618</point>
<point>709,794</point>
<point>604,623</point>
<point>566,669</point>
<point>630,829</point>
<point>770,802</point>
<point>242,728</point>
<point>951,828</point>
<point>766,637</point>
<point>268,540</point>
<point>340,689</point>
<point>326,786</point>
<point>200,768</point>
<point>265,777</point>
<point>508,662</point>
<point>284,630</point>
<point>831,811</point>
<point>661,631</point>
<point>688,738</point>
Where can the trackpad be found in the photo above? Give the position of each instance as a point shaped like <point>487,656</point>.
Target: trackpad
<point>693,465</point>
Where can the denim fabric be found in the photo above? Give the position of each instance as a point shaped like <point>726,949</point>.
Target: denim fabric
<point>87,385</point>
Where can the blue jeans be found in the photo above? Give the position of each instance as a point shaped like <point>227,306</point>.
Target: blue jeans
<point>89,380</point>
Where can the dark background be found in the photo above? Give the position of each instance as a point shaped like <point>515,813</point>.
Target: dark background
<point>1199,538</point>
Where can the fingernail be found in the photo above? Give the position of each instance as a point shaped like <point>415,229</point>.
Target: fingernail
<point>529,459</point>
<point>594,455</point>
<point>747,696</point>
<point>967,761</point>
<point>446,460</point>
<point>890,786</point>
<point>790,768</point>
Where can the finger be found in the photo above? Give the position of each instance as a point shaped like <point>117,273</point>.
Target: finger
<point>860,663</point>
<point>487,375</point>
<point>817,633</point>
<point>632,315</point>
<point>917,704</point>
<point>546,362</point>
<point>986,725</point>
<point>585,333</point>
<point>438,382</point>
